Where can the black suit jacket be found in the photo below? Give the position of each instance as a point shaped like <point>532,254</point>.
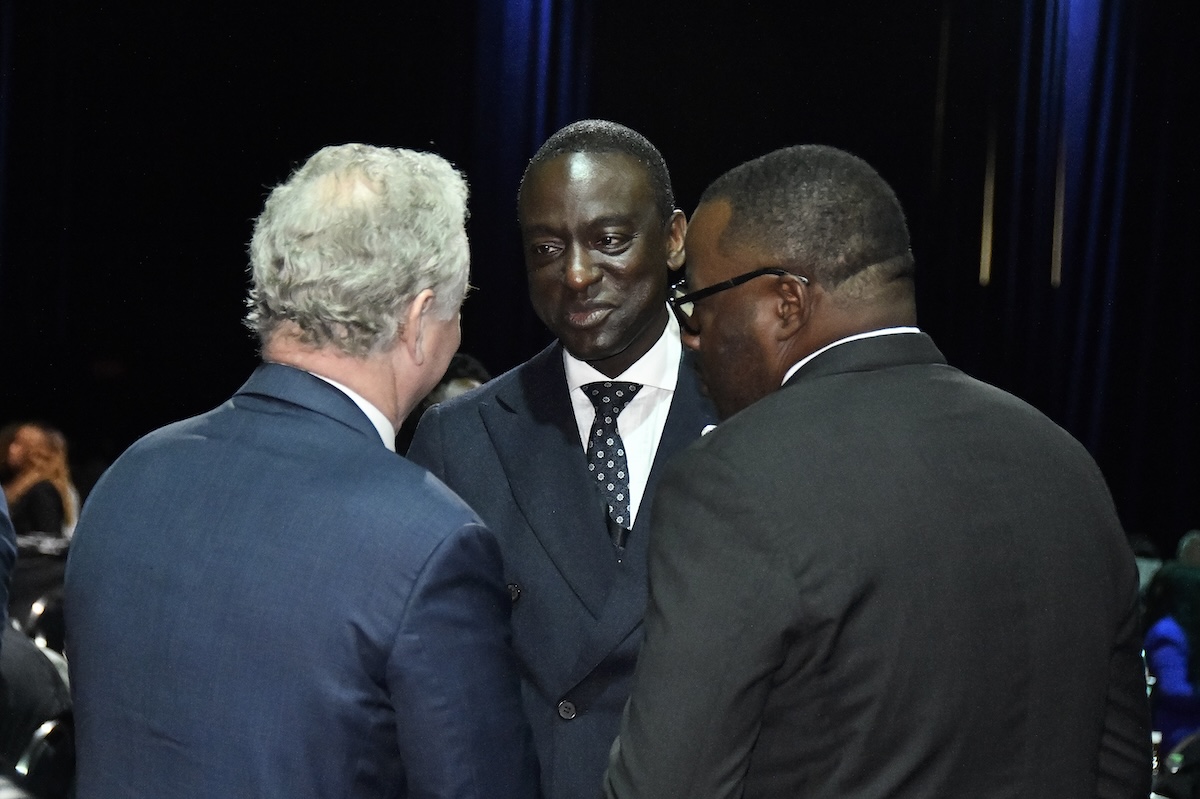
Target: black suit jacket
<point>887,579</point>
<point>511,449</point>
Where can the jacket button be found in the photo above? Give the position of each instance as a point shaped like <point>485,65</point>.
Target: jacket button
<point>514,592</point>
<point>566,710</point>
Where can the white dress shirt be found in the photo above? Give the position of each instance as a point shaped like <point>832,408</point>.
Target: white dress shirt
<point>641,423</point>
<point>377,417</point>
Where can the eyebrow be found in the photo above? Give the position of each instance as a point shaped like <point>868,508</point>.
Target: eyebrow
<point>612,220</point>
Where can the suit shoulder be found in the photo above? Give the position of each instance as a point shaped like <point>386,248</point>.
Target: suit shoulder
<point>516,382</point>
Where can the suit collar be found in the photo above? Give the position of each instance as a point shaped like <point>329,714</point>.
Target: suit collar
<point>867,354</point>
<point>298,387</point>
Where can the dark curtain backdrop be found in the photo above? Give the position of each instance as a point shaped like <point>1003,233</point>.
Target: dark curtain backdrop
<point>1042,148</point>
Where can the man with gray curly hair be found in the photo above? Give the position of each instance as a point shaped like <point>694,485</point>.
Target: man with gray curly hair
<point>265,600</point>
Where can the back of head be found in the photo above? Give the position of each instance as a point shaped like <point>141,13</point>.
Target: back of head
<point>1175,590</point>
<point>347,242</point>
<point>1188,549</point>
<point>602,136</point>
<point>824,212</point>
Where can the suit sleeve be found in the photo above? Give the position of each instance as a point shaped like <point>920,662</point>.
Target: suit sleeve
<point>426,447</point>
<point>454,682</point>
<point>715,629</point>
<point>8,557</point>
<point>1124,763</point>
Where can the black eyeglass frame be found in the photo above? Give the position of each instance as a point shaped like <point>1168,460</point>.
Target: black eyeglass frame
<point>716,288</point>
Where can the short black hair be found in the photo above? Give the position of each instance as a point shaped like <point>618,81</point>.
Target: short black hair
<point>818,207</point>
<point>603,136</point>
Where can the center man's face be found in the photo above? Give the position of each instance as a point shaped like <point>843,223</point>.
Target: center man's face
<point>734,347</point>
<point>596,252</point>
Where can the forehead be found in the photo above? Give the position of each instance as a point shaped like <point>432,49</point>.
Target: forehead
<point>30,436</point>
<point>585,186</point>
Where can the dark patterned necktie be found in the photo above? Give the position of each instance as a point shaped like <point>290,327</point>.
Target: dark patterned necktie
<point>606,450</point>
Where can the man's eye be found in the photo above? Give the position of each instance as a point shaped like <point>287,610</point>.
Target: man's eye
<point>544,249</point>
<point>612,241</point>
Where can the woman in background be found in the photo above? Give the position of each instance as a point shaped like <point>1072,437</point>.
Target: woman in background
<point>1173,651</point>
<point>37,481</point>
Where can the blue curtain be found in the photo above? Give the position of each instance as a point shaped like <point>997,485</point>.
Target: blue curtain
<point>1091,218</point>
<point>531,79</point>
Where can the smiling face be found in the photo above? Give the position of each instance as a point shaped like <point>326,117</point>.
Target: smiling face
<point>597,254</point>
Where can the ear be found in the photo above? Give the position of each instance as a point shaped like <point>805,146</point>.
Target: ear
<point>793,306</point>
<point>415,335</point>
<point>676,229</point>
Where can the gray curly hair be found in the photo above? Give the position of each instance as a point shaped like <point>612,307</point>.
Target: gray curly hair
<point>350,239</point>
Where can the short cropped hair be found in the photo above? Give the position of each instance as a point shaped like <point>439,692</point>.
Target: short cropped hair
<point>602,136</point>
<point>817,207</point>
<point>350,239</point>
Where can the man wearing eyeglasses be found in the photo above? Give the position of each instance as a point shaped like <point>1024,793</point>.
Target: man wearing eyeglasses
<point>561,455</point>
<point>877,577</point>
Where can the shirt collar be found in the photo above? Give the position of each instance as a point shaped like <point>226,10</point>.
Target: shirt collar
<point>659,367</point>
<point>886,331</point>
<point>378,419</point>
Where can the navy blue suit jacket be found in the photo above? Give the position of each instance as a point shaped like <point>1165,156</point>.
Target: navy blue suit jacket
<point>264,601</point>
<point>8,557</point>
<point>511,449</point>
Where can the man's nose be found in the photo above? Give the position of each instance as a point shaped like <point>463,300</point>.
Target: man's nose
<point>580,271</point>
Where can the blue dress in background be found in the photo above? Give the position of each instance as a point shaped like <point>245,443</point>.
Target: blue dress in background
<point>1176,701</point>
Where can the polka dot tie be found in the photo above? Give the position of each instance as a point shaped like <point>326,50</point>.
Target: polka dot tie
<point>606,450</point>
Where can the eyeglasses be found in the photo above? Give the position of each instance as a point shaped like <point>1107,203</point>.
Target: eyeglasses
<point>684,304</point>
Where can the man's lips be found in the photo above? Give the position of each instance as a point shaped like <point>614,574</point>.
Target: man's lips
<point>583,317</point>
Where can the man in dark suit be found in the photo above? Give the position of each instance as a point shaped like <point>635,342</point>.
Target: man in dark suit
<point>265,600</point>
<point>600,232</point>
<point>877,577</point>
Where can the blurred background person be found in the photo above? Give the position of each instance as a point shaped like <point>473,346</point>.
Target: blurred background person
<point>1188,549</point>
<point>37,480</point>
<point>464,373</point>
<point>1173,630</point>
<point>43,505</point>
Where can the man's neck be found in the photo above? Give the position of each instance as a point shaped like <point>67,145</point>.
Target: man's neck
<point>372,376</point>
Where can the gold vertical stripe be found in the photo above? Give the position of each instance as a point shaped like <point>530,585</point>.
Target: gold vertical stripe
<point>987,229</point>
<point>1060,204</point>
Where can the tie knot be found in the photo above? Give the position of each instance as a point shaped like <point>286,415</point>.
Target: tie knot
<point>609,397</point>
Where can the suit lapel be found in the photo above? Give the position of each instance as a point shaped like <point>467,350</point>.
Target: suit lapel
<point>690,413</point>
<point>532,426</point>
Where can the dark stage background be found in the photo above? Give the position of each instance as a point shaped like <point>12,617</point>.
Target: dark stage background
<point>137,142</point>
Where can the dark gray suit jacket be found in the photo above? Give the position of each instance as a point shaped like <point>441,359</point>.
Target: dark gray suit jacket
<point>511,449</point>
<point>887,579</point>
<point>264,601</point>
